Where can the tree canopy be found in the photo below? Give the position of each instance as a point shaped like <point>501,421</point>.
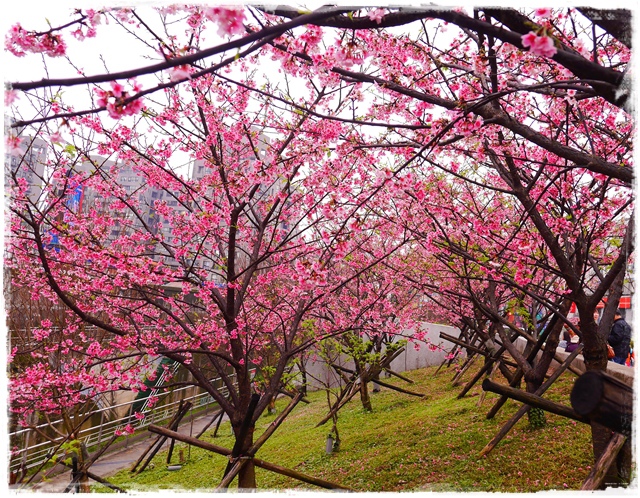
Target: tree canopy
<point>246,181</point>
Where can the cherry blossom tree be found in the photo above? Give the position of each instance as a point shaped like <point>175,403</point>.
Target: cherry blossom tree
<point>532,116</point>
<point>389,317</point>
<point>212,271</point>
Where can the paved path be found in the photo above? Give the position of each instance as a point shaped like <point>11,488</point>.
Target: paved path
<point>117,460</point>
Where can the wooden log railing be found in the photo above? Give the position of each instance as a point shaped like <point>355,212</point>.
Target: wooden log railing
<point>605,400</point>
<point>257,462</point>
<point>533,400</point>
<point>525,408</point>
<point>598,474</point>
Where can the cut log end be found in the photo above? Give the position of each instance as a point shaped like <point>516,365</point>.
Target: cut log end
<point>587,393</point>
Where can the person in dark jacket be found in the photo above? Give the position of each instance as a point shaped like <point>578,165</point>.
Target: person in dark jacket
<point>619,338</point>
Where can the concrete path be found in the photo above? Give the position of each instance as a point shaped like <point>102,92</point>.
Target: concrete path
<point>117,460</point>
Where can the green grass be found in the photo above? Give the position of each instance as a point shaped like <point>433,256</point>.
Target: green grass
<point>406,444</point>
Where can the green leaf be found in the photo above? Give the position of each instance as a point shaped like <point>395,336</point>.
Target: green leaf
<point>70,149</point>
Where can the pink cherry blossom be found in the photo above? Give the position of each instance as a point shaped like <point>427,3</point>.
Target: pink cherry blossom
<point>326,220</point>
<point>20,42</point>
<point>115,100</point>
<point>13,144</point>
<point>529,39</point>
<point>10,96</point>
<point>377,15</point>
<point>539,45</point>
<point>117,89</point>
<point>126,430</point>
<point>229,19</point>
<point>179,73</point>
<point>544,13</point>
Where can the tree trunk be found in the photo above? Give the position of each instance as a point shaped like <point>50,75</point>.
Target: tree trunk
<point>595,346</point>
<point>243,424</point>
<point>595,358</point>
<point>272,405</point>
<point>536,416</point>
<point>247,475</point>
<point>303,369</point>
<point>364,395</point>
<point>83,457</point>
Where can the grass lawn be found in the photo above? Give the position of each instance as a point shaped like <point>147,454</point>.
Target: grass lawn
<point>405,444</point>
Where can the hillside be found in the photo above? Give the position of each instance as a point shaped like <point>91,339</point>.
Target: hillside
<point>406,444</point>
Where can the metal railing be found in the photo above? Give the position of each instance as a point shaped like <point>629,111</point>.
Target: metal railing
<point>34,455</point>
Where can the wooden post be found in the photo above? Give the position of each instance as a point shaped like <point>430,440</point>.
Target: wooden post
<point>217,414</point>
<point>487,365</point>
<point>337,407</point>
<point>215,432</point>
<point>75,475</point>
<point>596,477</point>
<point>517,377</point>
<point>399,389</point>
<point>104,482</point>
<point>257,462</point>
<point>100,451</point>
<point>454,351</point>
<point>604,400</point>
<point>389,359</point>
<point>170,425</point>
<point>233,472</point>
<point>468,347</point>
<point>292,395</point>
<point>184,408</point>
<point>525,408</point>
<point>533,401</point>
<point>274,425</point>
<point>467,364</point>
<point>93,476</point>
<point>396,374</point>
<point>484,392</point>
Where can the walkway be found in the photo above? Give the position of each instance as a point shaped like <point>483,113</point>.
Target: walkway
<point>123,458</point>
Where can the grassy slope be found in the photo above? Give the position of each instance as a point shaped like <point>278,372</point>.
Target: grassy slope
<point>407,443</point>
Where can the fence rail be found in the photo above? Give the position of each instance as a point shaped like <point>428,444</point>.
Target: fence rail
<point>34,455</point>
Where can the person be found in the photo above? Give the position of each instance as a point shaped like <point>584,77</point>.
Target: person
<point>564,337</point>
<point>619,338</point>
<point>631,359</point>
<point>573,342</point>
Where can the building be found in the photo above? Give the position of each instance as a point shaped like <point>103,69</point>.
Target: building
<point>28,164</point>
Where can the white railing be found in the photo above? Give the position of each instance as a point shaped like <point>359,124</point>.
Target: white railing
<point>33,456</point>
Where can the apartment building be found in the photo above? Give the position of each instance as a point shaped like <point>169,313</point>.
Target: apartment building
<point>28,162</point>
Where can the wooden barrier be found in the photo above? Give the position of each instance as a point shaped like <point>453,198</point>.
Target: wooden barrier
<point>605,400</point>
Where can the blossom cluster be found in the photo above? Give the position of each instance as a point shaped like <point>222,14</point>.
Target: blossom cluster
<point>19,42</point>
<point>180,73</point>
<point>230,19</point>
<point>377,15</point>
<point>539,45</point>
<point>116,100</point>
<point>13,144</point>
